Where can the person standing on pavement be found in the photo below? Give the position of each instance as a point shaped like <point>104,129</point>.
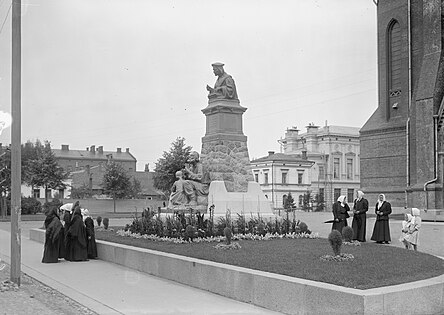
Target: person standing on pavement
<point>413,231</point>
<point>76,249</point>
<point>340,213</point>
<point>381,230</point>
<point>90,235</point>
<point>360,208</point>
<point>53,238</point>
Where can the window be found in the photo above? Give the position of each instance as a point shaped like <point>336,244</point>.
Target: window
<point>321,172</point>
<point>350,195</point>
<point>394,63</point>
<point>300,178</point>
<point>48,193</point>
<point>336,168</point>
<point>321,193</point>
<point>256,177</point>
<point>349,168</point>
<point>266,178</point>
<point>337,193</point>
<point>36,193</point>
<point>284,177</point>
<point>301,200</point>
<point>284,198</point>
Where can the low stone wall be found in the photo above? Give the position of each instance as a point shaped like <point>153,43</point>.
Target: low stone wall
<point>272,291</point>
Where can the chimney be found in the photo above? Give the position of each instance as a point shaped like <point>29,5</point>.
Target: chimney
<point>87,149</point>
<point>127,150</point>
<point>93,149</point>
<point>304,154</point>
<point>100,149</point>
<point>119,150</point>
<point>65,147</point>
<point>147,167</point>
<point>270,153</point>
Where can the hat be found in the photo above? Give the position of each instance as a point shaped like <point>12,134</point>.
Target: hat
<point>217,64</point>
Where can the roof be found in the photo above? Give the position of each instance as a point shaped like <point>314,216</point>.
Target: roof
<point>146,180</point>
<point>337,130</point>
<point>88,155</point>
<point>282,157</point>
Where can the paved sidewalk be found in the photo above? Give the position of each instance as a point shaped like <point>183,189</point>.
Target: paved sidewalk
<point>107,288</point>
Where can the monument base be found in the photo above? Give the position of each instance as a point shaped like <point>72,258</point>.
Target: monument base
<point>251,201</point>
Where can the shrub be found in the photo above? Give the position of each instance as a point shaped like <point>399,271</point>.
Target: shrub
<point>335,239</point>
<point>228,235</point>
<point>190,232</point>
<point>261,228</point>
<point>303,227</point>
<point>347,233</point>
<point>31,205</point>
<point>105,223</point>
<point>99,220</point>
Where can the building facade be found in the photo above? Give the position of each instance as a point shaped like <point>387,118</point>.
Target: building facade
<point>335,151</point>
<point>402,142</point>
<point>279,174</point>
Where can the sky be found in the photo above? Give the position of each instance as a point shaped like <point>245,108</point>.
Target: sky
<point>132,73</point>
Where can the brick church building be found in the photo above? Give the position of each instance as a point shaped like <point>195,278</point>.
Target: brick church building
<point>402,143</point>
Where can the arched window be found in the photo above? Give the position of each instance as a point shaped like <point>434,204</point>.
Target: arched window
<point>393,67</point>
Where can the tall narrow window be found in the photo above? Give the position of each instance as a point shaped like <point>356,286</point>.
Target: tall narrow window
<point>321,172</point>
<point>393,67</point>
<point>337,193</point>
<point>256,177</point>
<point>284,177</point>
<point>300,178</point>
<point>350,195</point>
<point>336,168</point>
<point>266,178</point>
<point>349,168</point>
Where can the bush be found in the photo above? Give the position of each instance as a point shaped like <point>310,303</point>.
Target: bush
<point>105,223</point>
<point>99,220</point>
<point>335,239</point>
<point>261,229</point>
<point>303,227</point>
<point>31,205</point>
<point>228,235</point>
<point>347,233</point>
<point>190,232</point>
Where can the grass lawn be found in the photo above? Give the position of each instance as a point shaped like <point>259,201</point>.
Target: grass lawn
<point>375,265</point>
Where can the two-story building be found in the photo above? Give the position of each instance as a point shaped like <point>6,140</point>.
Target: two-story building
<point>279,174</point>
<point>335,153</point>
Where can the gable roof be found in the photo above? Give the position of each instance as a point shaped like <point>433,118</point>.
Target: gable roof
<point>282,157</point>
<point>88,155</point>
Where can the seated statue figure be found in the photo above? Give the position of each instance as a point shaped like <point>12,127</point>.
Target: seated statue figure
<point>197,182</point>
<point>178,196</point>
<point>224,88</point>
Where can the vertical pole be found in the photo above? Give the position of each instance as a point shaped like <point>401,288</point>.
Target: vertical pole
<point>16,143</point>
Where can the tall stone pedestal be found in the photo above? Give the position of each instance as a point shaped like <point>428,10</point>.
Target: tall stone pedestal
<point>224,147</point>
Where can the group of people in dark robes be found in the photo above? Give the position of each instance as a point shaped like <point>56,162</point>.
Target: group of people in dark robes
<point>381,230</point>
<point>71,237</point>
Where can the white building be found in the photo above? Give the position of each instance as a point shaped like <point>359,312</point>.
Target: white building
<point>335,153</point>
<point>279,174</point>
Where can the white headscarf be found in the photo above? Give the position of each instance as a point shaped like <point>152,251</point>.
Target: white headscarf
<point>341,199</point>
<point>379,201</point>
<point>85,213</point>
<point>360,194</point>
<point>406,223</point>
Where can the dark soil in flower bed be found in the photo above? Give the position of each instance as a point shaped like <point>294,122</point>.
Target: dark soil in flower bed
<point>374,265</point>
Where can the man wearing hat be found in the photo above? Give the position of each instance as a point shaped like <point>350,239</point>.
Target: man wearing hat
<point>224,87</point>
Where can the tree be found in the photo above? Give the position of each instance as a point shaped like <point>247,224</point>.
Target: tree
<point>136,188</point>
<point>307,201</point>
<point>116,182</point>
<point>81,192</point>
<point>43,170</point>
<point>170,162</point>
<point>5,178</point>
<point>289,203</point>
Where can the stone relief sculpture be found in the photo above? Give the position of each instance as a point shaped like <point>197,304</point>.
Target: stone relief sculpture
<point>224,88</point>
<point>192,185</point>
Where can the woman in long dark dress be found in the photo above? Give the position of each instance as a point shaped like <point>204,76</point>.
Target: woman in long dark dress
<point>340,213</point>
<point>53,228</point>
<point>90,235</point>
<point>76,238</point>
<point>360,207</point>
<point>381,230</point>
